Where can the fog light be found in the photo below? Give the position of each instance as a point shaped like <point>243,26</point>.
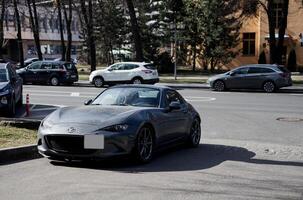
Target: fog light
<point>3,100</point>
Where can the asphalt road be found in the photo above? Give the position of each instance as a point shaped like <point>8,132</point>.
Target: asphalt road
<point>245,153</point>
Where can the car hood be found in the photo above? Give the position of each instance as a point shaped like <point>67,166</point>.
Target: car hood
<point>91,115</point>
<point>3,85</point>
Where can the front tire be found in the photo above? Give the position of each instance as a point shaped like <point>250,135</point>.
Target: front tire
<point>195,134</point>
<point>144,148</point>
<point>219,86</point>
<point>269,87</point>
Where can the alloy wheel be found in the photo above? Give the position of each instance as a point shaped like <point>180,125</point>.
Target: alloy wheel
<point>269,87</point>
<point>54,81</point>
<point>219,86</point>
<point>195,133</point>
<point>137,81</point>
<point>145,145</point>
<point>98,82</point>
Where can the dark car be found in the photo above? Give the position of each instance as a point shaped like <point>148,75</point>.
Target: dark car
<point>28,62</point>
<point>122,120</point>
<point>266,77</point>
<point>50,72</point>
<point>10,89</point>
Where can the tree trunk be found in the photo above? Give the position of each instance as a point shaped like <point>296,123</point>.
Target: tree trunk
<point>195,47</point>
<point>68,19</point>
<point>88,20</point>
<point>135,31</point>
<point>272,35</point>
<point>1,27</point>
<point>35,25</point>
<point>282,30</point>
<point>19,36</point>
<point>63,48</point>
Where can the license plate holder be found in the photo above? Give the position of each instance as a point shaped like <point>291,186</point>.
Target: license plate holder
<point>93,141</point>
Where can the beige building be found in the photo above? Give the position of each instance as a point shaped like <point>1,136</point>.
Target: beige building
<point>255,35</point>
<point>49,33</point>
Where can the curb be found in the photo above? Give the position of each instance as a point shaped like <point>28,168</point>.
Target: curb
<point>17,154</point>
<point>20,123</point>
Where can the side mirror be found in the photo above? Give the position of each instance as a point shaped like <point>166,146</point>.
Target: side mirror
<point>175,105</point>
<point>110,69</point>
<point>88,102</point>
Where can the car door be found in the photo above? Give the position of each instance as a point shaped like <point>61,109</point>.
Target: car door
<point>110,74</point>
<point>237,78</point>
<point>44,73</point>
<point>16,82</point>
<point>31,74</point>
<point>255,77</point>
<point>174,123</point>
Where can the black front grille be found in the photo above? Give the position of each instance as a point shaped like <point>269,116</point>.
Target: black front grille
<point>68,144</point>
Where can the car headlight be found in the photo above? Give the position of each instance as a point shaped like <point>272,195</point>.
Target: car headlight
<point>47,124</point>
<point>116,128</point>
<point>4,100</point>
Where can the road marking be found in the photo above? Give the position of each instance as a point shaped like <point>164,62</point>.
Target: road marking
<point>296,94</point>
<point>58,92</point>
<point>60,95</point>
<point>200,99</point>
<point>75,94</point>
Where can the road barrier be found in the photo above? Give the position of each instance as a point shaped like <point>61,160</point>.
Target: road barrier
<point>27,106</point>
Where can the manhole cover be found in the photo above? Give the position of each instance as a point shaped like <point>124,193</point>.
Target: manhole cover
<point>290,119</point>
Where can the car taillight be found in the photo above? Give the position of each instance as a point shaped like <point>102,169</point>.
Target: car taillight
<point>284,75</point>
<point>147,71</point>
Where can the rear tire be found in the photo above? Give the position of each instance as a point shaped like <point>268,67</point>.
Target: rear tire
<point>219,86</point>
<point>195,134</point>
<point>98,82</point>
<point>54,81</point>
<point>269,87</point>
<point>137,81</point>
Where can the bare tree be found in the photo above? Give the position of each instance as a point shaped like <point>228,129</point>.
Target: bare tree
<point>68,19</point>
<point>19,36</point>
<point>87,15</point>
<point>33,16</point>
<point>58,3</point>
<point>3,5</point>
<point>135,30</point>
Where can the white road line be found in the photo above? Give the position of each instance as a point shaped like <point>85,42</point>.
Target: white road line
<point>75,94</point>
<point>200,99</point>
<point>58,95</point>
<point>59,92</point>
<point>296,94</point>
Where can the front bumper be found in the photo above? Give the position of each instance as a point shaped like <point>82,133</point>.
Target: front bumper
<point>115,144</point>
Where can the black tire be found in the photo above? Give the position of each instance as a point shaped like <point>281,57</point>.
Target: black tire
<point>12,108</point>
<point>219,86</point>
<point>144,147</point>
<point>54,81</point>
<point>98,82</point>
<point>195,134</point>
<point>137,80</point>
<point>269,87</point>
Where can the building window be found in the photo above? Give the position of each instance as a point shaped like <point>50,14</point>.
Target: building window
<point>278,14</point>
<point>249,44</point>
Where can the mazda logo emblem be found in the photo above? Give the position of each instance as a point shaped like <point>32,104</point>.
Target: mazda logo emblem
<point>71,130</point>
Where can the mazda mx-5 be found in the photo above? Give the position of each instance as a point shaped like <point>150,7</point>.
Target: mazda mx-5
<point>132,120</point>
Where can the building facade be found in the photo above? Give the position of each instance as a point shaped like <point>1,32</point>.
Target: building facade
<point>255,35</point>
<point>49,33</point>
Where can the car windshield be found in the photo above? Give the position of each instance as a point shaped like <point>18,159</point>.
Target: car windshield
<point>139,97</point>
<point>3,75</point>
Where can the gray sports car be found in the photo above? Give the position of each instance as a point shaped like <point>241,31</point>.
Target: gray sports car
<point>122,120</point>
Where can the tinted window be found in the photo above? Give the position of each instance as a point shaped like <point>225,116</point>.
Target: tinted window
<point>130,66</point>
<point>241,71</point>
<point>34,66</point>
<point>283,69</point>
<point>3,75</point>
<point>57,66</point>
<point>117,67</point>
<point>173,96</point>
<point>267,70</point>
<point>69,66</point>
<point>150,66</point>
<point>46,66</point>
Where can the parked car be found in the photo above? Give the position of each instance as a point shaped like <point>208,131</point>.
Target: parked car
<point>125,72</point>
<point>10,89</point>
<point>266,77</point>
<point>28,62</point>
<point>50,72</point>
<point>122,120</point>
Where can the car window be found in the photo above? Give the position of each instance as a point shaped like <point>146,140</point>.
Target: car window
<point>34,66</point>
<point>117,67</point>
<point>241,71</point>
<point>56,66</point>
<point>3,75</point>
<point>259,70</point>
<point>172,96</point>
<point>46,66</point>
<point>69,66</point>
<point>150,66</point>
<point>130,66</point>
<point>267,70</point>
<point>283,69</point>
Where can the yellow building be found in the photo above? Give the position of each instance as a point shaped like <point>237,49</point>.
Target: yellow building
<point>255,35</point>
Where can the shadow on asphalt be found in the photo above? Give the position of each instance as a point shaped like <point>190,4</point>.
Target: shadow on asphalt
<point>180,159</point>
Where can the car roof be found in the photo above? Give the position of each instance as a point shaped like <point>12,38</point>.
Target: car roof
<point>159,87</point>
<point>259,65</point>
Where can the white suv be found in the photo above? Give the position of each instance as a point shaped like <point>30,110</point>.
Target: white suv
<point>125,72</point>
